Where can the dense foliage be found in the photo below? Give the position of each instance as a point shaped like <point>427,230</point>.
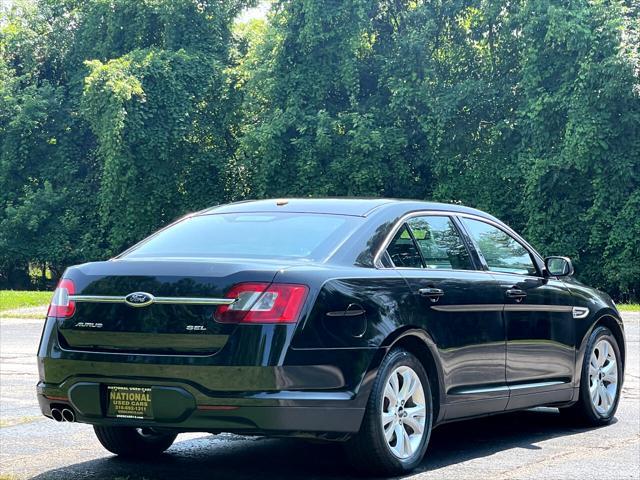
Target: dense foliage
<point>117,116</point>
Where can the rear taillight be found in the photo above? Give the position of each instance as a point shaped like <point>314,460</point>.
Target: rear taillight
<point>61,306</point>
<point>263,303</point>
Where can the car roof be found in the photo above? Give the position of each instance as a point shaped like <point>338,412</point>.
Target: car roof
<point>361,207</point>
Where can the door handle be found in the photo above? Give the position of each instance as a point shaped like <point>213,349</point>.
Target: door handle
<point>433,294</point>
<point>516,293</point>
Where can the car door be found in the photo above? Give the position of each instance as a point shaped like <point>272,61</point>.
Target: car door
<point>460,307</point>
<point>537,313</point>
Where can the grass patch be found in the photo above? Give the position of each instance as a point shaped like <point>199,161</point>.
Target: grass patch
<point>12,422</point>
<point>12,299</point>
<point>629,307</point>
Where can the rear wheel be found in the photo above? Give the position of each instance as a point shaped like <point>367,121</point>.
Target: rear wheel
<point>600,381</point>
<point>133,442</point>
<point>397,423</point>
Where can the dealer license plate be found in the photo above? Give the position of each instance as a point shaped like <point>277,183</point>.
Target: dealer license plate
<point>129,402</point>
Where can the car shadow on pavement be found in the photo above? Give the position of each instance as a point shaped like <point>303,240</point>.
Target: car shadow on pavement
<point>233,457</point>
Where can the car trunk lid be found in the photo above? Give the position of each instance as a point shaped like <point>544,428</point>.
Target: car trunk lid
<point>154,306</point>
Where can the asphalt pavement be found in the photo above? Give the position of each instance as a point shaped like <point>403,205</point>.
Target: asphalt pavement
<point>535,444</point>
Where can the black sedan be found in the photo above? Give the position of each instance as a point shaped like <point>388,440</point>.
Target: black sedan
<point>367,322</point>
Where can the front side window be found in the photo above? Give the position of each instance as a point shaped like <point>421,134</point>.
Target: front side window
<point>440,243</point>
<point>500,250</point>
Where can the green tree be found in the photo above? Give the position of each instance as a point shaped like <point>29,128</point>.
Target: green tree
<point>47,178</point>
<point>161,112</point>
<point>316,105</point>
<point>580,127</point>
<point>526,109</point>
<point>71,182</point>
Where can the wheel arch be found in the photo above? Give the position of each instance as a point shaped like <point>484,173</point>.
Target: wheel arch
<point>608,319</point>
<point>615,325</point>
<point>418,342</point>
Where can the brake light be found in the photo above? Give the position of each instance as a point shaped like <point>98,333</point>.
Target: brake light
<point>61,306</point>
<point>263,303</point>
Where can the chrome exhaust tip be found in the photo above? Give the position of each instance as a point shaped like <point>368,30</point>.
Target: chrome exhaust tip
<point>68,415</point>
<point>57,415</point>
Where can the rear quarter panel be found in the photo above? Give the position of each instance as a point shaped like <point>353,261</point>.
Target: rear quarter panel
<point>380,296</point>
<point>353,344</point>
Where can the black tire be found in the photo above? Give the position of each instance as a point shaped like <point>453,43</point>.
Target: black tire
<point>132,442</point>
<point>368,451</point>
<point>583,412</point>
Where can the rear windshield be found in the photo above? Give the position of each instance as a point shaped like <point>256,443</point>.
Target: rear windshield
<point>250,235</point>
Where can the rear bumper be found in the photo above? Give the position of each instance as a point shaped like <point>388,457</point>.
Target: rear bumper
<point>241,389</point>
<point>281,400</point>
<point>175,409</point>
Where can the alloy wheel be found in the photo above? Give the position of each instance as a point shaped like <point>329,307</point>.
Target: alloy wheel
<point>403,412</point>
<point>603,377</point>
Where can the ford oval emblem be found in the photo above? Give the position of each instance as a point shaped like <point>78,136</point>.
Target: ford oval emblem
<point>138,299</point>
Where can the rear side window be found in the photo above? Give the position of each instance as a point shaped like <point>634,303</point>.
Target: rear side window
<point>501,251</point>
<point>403,251</point>
<point>440,243</point>
<point>250,235</point>
<point>429,242</point>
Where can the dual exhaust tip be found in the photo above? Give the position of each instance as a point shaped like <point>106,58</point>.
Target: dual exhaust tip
<point>63,415</point>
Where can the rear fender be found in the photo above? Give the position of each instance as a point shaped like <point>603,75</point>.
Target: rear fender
<point>419,343</point>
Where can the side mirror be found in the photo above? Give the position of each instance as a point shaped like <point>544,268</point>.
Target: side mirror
<point>558,266</point>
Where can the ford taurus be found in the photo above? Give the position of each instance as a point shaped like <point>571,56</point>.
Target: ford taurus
<point>362,321</point>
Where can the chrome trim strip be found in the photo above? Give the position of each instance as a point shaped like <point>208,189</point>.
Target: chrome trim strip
<point>506,388</point>
<point>467,391</point>
<point>522,386</point>
<point>194,301</point>
<point>497,307</point>
<point>537,308</point>
<point>160,300</point>
<point>580,312</point>
<point>422,269</point>
<point>96,298</point>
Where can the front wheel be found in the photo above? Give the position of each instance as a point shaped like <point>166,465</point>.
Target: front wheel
<point>600,381</point>
<point>397,423</point>
<point>133,442</point>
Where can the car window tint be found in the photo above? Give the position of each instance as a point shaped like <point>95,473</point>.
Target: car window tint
<point>250,235</point>
<point>440,243</point>
<point>501,251</point>
<point>403,250</point>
